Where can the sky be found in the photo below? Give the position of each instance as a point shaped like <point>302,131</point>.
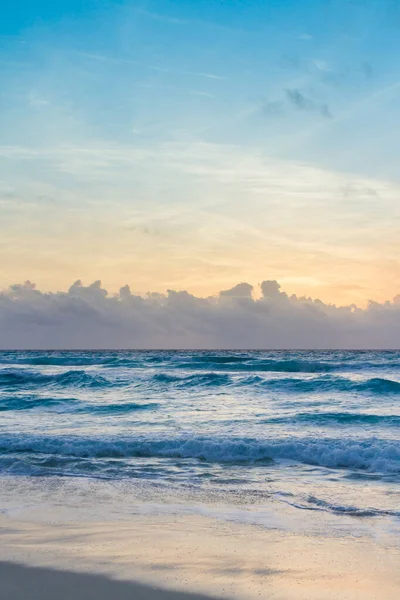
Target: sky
<point>191,146</point>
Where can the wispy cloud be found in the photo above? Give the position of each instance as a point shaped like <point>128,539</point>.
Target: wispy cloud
<point>176,88</point>
<point>185,22</point>
<point>272,107</point>
<point>302,102</point>
<point>321,65</point>
<point>297,100</point>
<point>367,69</point>
<point>37,100</point>
<point>305,37</point>
<point>162,17</point>
<point>162,69</point>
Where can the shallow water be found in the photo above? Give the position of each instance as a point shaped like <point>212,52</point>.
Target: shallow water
<point>313,431</point>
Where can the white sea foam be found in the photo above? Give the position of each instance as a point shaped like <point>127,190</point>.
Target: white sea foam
<point>380,456</point>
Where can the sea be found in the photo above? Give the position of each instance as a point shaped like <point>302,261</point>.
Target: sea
<point>304,441</point>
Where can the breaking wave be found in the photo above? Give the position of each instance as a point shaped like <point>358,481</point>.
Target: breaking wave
<point>380,456</point>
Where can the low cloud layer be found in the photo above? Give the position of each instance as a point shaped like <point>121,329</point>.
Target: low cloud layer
<point>90,317</point>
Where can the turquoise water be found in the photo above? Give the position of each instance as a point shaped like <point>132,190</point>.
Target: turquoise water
<point>317,431</point>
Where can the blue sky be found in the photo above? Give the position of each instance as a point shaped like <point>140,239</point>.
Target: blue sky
<point>189,144</point>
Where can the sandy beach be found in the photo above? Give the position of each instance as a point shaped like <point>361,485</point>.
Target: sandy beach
<point>141,556</point>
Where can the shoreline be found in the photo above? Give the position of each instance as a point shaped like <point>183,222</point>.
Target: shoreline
<point>195,555</point>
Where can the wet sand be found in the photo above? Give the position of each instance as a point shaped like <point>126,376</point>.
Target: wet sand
<point>139,557</point>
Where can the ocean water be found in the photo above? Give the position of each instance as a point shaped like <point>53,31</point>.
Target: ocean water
<point>275,438</point>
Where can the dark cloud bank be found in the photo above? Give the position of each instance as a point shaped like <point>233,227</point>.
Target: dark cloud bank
<point>89,317</point>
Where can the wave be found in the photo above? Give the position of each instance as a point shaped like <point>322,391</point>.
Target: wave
<point>25,377</point>
<point>268,361</point>
<point>313,503</point>
<point>80,378</point>
<point>122,407</point>
<point>55,361</point>
<point>325,383</point>
<point>18,403</point>
<point>11,403</point>
<point>277,366</point>
<point>375,385</point>
<point>334,418</point>
<point>374,455</point>
<point>354,511</point>
<point>206,379</point>
<point>305,364</point>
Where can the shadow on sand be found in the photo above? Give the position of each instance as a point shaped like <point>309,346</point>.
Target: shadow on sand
<point>18,582</point>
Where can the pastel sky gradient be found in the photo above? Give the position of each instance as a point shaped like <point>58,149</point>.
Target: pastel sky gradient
<point>191,145</point>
